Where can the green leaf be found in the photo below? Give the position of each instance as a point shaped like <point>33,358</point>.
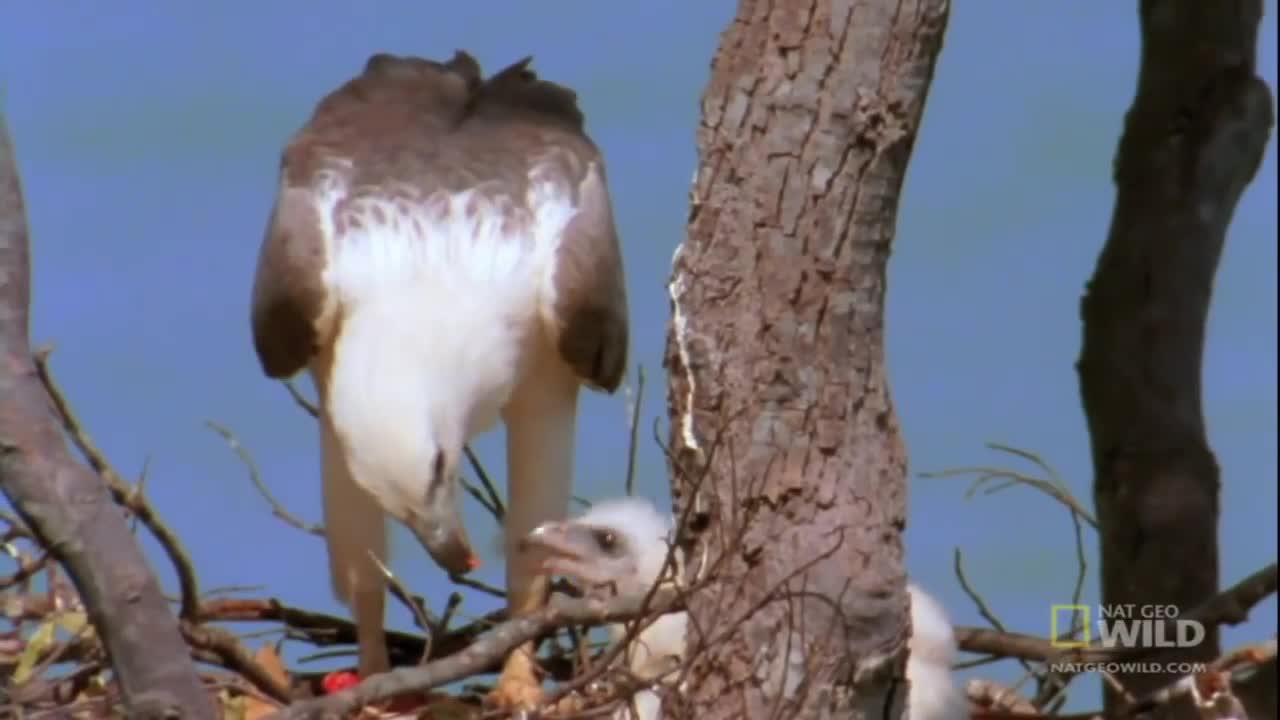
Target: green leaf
<point>37,644</point>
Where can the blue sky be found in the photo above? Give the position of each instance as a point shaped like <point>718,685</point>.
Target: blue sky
<point>148,137</point>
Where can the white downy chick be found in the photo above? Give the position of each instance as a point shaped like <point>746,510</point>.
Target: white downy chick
<point>934,694</point>
<point>623,543</point>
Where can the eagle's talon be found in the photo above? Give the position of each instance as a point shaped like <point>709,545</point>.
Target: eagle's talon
<point>518,687</point>
<point>515,696</point>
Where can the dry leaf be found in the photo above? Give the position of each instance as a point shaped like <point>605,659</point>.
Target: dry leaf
<point>268,659</point>
<point>42,639</point>
<point>233,705</point>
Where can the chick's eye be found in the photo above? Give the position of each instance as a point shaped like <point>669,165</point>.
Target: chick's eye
<point>606,539</point>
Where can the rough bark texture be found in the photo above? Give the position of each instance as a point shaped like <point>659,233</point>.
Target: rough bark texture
<point>1192,142</point>
<point>775,357</point>
<point>68,507</point>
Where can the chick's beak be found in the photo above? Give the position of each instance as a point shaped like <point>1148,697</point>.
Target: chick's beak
<point>551,538</point>
<point>565,548</point>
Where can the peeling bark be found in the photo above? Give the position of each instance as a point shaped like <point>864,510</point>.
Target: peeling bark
<point>68,508</point>
<point>775,357</point>
<point>1193,140</point>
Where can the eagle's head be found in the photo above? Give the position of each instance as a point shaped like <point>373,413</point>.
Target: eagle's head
<point>620,543</point>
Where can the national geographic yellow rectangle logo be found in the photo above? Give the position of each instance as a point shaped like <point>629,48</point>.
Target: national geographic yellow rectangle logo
<point>1059,629</point>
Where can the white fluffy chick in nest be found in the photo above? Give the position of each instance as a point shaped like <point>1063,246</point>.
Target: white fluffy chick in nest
<point>934,695</point>
<point>623,544</point>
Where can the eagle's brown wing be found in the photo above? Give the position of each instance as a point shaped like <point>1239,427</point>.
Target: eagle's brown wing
<point>370,117</point>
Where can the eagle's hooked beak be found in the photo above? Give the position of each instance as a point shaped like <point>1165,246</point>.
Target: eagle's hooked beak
<point>438,526</point>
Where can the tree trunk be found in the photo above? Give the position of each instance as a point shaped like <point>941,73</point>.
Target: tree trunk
<point>1192,142</point>
<point>775,354</point>
<point>68,509</point>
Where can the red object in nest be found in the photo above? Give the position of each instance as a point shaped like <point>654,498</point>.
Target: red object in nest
<point>342,679</point>
<point>339,681</point>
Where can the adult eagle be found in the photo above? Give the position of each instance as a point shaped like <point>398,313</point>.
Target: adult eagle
<point>442,252</point>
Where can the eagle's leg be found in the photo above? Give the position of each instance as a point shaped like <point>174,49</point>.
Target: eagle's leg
<point>355,529</point>
<point>540,437</point>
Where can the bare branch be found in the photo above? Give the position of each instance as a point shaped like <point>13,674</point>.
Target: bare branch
<point>415,603</point>
<point>1051,485</point>
<point>633,430</point>
<point>232,655</point>
<point>67,508</point>
<point>1230,607</point>
<point>983,609</point>
<point>302,401</point>
<point>255,477</point>
<point>1210,690</point>
<point>131,498</point>
<point>487,649</point>
<point>495,504</point>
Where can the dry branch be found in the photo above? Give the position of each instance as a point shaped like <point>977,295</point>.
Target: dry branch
<point>1230,607</point>
<point>487,649</point>
<point>255,477</point>
<point>131,499</point>
<point>67,507</point>
<point>227,652</point>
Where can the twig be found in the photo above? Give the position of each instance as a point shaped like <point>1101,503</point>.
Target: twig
<point>1054,487</point>
<point>222,644</point>
<point>1082,565</point>
<point>255,477</point>
<point>1054,686</point>
<point>450,608</point>
<point>56,653</point>
<point>983,609</point>
<point>27,568</point>
<point>1230,607</point>
<point>231,589</point>
<point>992,695</point>
<point>139,488</point>
<point>127,497</point>
<point>441,626</point>
<point>327,630</point>
<point>311,408</point>
<point>66,506</point>
<point>17,528</point>
<point>487,649</point>
<point>633,429</point>
<point>480,585</point>
<point>495,504</point>
<point>1211,687</point>
<point>416,605</point>
<point>233,656</point>
<point>480,497</point>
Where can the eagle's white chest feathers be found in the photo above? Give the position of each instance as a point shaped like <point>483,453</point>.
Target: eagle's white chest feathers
<point>438,303</point>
